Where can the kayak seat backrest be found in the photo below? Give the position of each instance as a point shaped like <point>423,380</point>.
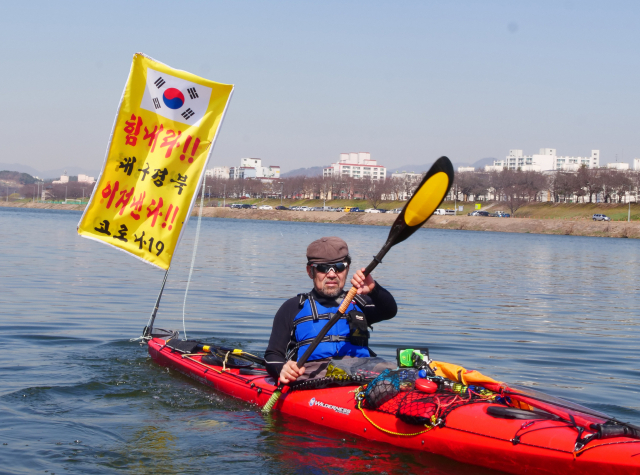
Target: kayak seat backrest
<point>183,346</point>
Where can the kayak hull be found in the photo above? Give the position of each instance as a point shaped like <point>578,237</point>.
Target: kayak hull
<point>470,434</point>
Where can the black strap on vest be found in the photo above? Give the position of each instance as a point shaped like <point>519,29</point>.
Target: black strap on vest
<point>326,339</point>
<point>314,309</point>
<point>324,316</point>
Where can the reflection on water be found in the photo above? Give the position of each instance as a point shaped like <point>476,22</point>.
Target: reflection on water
<point>557,313</point>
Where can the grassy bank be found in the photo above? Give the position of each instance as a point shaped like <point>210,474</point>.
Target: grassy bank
<point>560,219</point>
<point>563,211</point>
<point>574,211</point>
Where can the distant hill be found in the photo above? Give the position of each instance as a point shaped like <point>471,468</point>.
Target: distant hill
<point>409,168</point>
<point>311,171</point>
<point>17,167</point>
<point>16,178</point>
<point>51,173</point>
<point>483,162</point>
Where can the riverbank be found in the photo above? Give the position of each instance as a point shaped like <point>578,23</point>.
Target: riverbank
<point>571,227</point>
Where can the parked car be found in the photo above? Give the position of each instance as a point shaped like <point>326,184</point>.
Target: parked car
<point>245,206</point>
<point>438,212</point>
<point>601,217</point>
<point>304,208</point>
<point>501,214</point>
<point>282,208</point>
<point>265,207</point>
<point>355,209</point>
<point>236,205</point>
<point>372,210</point>
<point>339,210</point>
<point>479,213</point>
<point>396,211</point>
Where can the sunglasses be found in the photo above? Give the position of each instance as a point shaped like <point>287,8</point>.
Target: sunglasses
<point>326,268</point>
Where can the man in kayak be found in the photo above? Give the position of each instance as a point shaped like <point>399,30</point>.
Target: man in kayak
<point>301,318</point>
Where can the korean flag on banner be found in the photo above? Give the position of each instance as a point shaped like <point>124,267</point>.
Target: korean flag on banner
<point>175,98</point>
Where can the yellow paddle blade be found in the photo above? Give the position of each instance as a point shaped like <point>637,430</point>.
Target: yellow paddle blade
<point>427,199</point>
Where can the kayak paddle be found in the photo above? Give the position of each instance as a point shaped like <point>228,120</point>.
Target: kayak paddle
<point>426,198</point>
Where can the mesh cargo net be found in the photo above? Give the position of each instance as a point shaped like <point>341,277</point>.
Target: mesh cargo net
<point>344,371</point>
<point>393,392</point>
<point>388,385</point>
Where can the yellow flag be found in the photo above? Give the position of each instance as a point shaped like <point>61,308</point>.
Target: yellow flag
<point>161,141</point>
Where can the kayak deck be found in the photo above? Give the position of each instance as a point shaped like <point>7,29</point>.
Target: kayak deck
<point>470,434</point>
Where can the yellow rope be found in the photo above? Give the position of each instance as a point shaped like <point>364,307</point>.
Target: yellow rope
<point>224,363</point>
<point>388,431</point>
<point>202,364</point>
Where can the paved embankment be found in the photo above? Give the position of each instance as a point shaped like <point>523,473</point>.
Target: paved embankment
<point>582,227</point>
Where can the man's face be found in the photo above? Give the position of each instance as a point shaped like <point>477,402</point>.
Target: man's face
<point>329,284</point>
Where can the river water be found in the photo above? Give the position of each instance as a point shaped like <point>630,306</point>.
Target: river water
<point>558,313</point>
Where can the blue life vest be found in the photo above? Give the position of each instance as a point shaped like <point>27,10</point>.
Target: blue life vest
<point>311,318</point>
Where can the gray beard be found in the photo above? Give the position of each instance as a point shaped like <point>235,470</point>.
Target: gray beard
<point>329,293</point>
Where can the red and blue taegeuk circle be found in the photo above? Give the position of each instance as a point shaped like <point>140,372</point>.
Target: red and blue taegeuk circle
<point>173,98</point>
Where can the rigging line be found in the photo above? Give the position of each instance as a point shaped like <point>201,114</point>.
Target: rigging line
<point>193,256</point>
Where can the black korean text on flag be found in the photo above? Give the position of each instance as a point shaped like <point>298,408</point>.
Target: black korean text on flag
<point>187,114</point>
<point>156,103</point>
<point>192,92</point>
<point>159,83</point>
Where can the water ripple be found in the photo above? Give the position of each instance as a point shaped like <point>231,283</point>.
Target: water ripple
<point>557,313</point>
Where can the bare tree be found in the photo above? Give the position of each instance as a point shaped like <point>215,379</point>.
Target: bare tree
<point>375,191</point>
<point>587,179</point>
<point>620,183</point>
<point>514,188</point>
<point>480,186</point>
<point>465,183</point>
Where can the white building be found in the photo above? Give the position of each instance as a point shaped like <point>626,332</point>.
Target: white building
<point>466,169</point>
<point>218,172</point>
<point>618,165</point>
<point>252,168</point>
<point>356,165</point>
<point>636,163</point>
<point>64,178</point>
<point>546,160</point>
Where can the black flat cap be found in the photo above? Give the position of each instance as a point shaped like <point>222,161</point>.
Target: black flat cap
<point>327,250</point>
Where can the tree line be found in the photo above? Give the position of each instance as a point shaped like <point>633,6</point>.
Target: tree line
<point>517,187</point>
<point>312,187</point>
<point>514,187</point>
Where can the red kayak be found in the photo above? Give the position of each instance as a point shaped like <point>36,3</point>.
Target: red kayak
<point>480,434</point>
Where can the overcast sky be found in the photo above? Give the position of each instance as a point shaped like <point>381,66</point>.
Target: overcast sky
<point>407,81</point>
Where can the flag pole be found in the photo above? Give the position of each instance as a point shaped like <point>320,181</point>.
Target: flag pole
<point>146,333</point>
